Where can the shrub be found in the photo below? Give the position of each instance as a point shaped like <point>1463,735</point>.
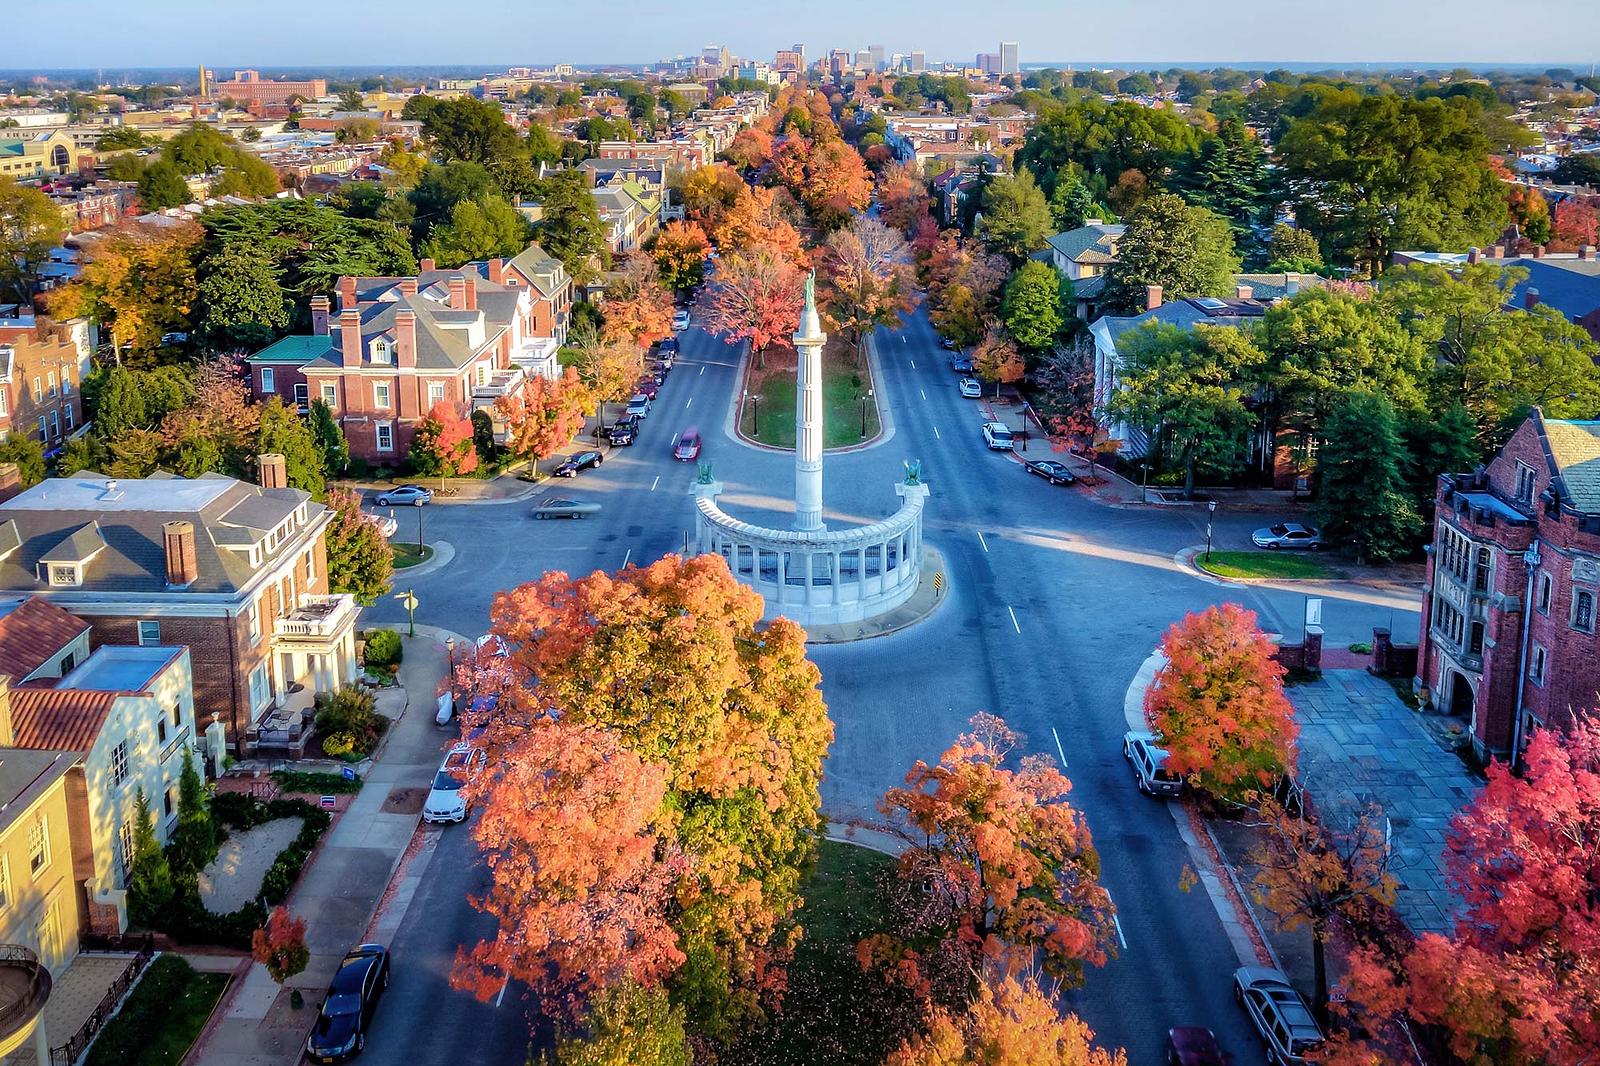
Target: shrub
<point>338,744</point>
<point>320,784</point>
<point>351,710</point>
<point>383,648</point>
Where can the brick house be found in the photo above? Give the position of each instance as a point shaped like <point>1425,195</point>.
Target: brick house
<point>236,572</point>
<point>42,366</point>
<point>1522,532</point>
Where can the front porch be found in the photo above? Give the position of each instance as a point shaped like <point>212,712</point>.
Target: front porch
<point>313,651</point>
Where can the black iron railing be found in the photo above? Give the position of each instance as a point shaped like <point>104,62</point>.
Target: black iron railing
<point>143,948</point>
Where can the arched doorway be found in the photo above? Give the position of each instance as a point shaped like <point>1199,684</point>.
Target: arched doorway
<point>1460,696</point>
<point>60,158</point>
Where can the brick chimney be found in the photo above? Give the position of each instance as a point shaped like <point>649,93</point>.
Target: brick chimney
<point>425,266</point>
<point>347,293</point>
<point>472,293</point>
<point>1538,251</point>
<point>458,293</point>
<point>1498,251</point>
<point>182,566</point>
<point>10,481</point>
<point>1244,292</point>
<point>1474,255</point>
<point>319,315</point>
<point>405,337</point>
<point>408,286</point>
<point>1152,297</point>
<point>497,271</point>
<point>1530,298</point>
<point>8,735</point>
<point>272,471</point>
<point>350,337</point>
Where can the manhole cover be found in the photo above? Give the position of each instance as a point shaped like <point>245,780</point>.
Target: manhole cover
<point>405,801</point>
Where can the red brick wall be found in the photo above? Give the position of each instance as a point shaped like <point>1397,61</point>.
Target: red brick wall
<point>285,376</point>
<point>408,404</point>
<point>39,352</point>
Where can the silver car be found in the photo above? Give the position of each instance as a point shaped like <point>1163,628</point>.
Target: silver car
<point>1282,1018</point>
<point>413,495</point>
<point>971,388</point>
<point>563,507</point>
<point>1149,761</point>
<point>1291,535</point>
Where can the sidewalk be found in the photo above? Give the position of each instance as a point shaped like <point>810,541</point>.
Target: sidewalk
<point>510,487</point>
<point>345,879</point>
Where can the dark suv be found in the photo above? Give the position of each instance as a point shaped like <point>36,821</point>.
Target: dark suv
<point>623,430</point>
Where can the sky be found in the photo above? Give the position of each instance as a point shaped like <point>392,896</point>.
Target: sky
<point>80,34</point>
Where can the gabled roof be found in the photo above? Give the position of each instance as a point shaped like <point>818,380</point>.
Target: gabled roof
<point>33,631</point>
<point>1091,244</point>
<point>58,719</point>
<point>1575,447</point>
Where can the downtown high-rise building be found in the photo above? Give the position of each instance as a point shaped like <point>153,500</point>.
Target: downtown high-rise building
<point>1010,59</point>
<point>918,62</point>
<point>875,52</point>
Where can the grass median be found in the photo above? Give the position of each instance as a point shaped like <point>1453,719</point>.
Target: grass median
<point>409,553</point>
<point>768,416</point>
<point>1259,565</point>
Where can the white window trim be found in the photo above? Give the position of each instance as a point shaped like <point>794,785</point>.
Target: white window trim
<point>140,630</point>
<point>269,380</point>
<point>379,431</point>
<point>382,395</point>
<point>43,825</point>
<point>330,394</point>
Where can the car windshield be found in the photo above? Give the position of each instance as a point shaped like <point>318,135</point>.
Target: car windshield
<point>341,1005</point>
<point>1279,530</point>
<point>445,781</point>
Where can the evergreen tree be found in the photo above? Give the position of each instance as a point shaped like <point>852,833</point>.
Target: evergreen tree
<point>150,885</point>
<point>1031,307</point>
<point>1015,217</point>
<point>570,229</point>
<point>1361,486</point>
<point>283,432</point>
<point>329,438</point>
<point>195,838</point>
<point>1227,174</point>
<point>26,451</point>
<point>1071,204</point>
<point>243,303</point>
<point>1188,251</point>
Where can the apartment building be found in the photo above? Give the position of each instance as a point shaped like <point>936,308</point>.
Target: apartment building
<point>42,366</point>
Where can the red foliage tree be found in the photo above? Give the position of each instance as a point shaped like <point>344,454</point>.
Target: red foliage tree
<point>680,255</point>
<point>1574,225</point>
<point>544,416</point>
<point>757,298</point>
<point>750,149</point>
<point>1219,706</point>
<point>442,445</point>
<point>280,945</point>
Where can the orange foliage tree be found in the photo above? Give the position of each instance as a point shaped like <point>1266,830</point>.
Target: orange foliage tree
<point>280,945</point>
<point>1009,1023</point>
<point>1006,870</point>
<point>578,843</point>
<point>762,218</point>
<point>680,255</point>
<point>1219,706</point>
<point>868,280</point>
<point>138,284</point>
<point>750,149</point>
<point>758,296</point>
<point>902,196</point>
<point>543,416</point>
<point>442,444</point>
<point>668,661</point>
<point>638,308</point>
<point>706,193</point>
<point>995,359</point>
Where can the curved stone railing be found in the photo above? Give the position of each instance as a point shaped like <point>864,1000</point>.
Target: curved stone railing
<point>824,577</point>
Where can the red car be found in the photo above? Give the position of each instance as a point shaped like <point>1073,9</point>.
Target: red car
<point>688,446</point>
<point>647,387</point>
<point>1190,1045</point>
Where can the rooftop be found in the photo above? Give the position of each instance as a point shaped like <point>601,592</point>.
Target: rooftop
<point>1575,446</point>
<point>24,776</point>
<point>100,495</point>
<point>121,668</point>
<point>32,631</point>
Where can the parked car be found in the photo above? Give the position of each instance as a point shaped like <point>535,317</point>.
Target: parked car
<point>947,344</point>
<point>688,446</point>
<point>1190,1045</point>
<point>669,348</point>
<point>1288,535</point>
<point>680,319</point>
<point>341,1027</point>
<point>581,461</point>
<point>445,802</point>
<point>639,404</point>
<point>564,507</point>
<point>623,431</point>
<point>661,367</point>
<point>997,435</point>
<point>415,495</point>
<point>646,387</point>
<point>1149,761</point>
<point>1052,471</point>
<point>386,524</point>
<point>1285,1023</point>
<point>971,388</point>
<point>961,364</point>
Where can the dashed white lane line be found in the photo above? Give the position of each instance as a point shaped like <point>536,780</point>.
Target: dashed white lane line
<point>654,483</point>
<point>1013,615</point>
<point>913,364</point>
<point>625,557</point>
<point>687,403</point>
<point>982,541</point>
<point>924,395</point>
<point>936,433</point>
<point>702,372</point>
<point>502,994</point>
<point>1059,749</point>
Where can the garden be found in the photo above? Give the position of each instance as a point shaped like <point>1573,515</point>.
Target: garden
<point>161,1017</point>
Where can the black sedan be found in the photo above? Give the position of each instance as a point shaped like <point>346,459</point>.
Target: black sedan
<point>581,461</point>
<point>1052,471</point>
<point>346,1015</point>
<point>623,430</point>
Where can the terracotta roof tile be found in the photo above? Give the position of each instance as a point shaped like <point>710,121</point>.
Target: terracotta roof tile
<point>59,719</point>
<point>33,632</point>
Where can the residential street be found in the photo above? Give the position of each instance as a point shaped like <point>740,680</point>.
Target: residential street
<point>1053,602</point>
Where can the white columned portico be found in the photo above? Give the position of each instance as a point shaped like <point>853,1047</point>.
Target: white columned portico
<point>808,342</point>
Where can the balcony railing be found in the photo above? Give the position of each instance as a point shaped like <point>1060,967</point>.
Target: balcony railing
<point>318,617</point>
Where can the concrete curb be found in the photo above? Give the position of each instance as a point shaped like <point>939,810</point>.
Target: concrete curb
<point>1336,588</point>
<point>443,554</point>
<point>864,836</point>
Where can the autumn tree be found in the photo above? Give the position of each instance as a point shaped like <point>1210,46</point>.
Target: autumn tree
<point>707,193</point>
<point>761,219</point>
<point>638,308</point>
<point>668,664</point>
<point>902,196</point>
<point>543,416</point>
<point>442,445</point>
<point>680,254</point>
<point>750,149</point>
<point>138,284</point>
<point>867,279</point>
<point>996,360</point>
<point>1066,401</point>
<point>607,368</point>
<point>963,283</point>
<point>757,298</point>
<point>30,225</point>
<point>1217,702</point>
<point>219,431</point>
<point>627,1025</point>
<point>837,182</point>
<point>280,945</point>
<point>1574,225</point>
<point>1005,870</point>
<point>1316,876</point>
<point>1010,1022</point>
<point>360,560</point>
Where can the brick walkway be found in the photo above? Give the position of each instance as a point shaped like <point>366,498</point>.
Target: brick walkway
<point>1360,742</point>
<point>77,991</point>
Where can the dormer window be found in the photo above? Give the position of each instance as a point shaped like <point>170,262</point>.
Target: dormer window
<point>382,352</point>
<point>65,575</point>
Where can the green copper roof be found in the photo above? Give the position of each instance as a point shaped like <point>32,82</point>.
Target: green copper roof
<point>297,350</point>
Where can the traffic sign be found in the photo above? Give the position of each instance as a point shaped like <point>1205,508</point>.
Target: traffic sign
<point>938,582</point>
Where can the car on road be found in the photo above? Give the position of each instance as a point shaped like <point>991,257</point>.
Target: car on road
<point>386,524</point>
<point>947,344</point>
<point>997,435</point>
<point>669,347</point>
<point>623,431</point>
<point>1052,471</point>
<point>581,461</point>
<point>662,366</point>
<point>341,1027</point>
<point>415,495</point>
<point>639,404</point>
<point>961,364</point>
<point>688,446</point>
<point>971,388</point>
<point>445,803</point>
<point>646,387</point>
<point>1191,1045</point>
<point>1144,752</point>
<point>680,319</point>
<point>564,507</point>
<point>1285,1023</point>
<point>1290,535</point>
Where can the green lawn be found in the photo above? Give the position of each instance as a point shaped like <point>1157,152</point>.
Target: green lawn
<point>841,399</point>
<point>1265,564</point>
<point>406,553</point>
<point>161,1018</point>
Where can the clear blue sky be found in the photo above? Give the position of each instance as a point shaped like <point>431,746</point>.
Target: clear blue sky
<point>225,33</point>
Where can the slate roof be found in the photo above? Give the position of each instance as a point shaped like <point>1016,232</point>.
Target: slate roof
<point>439,346</point>
<point>32,631</point>
<point>1093,243</point>
<point>1571,286</point>
<point>1575,446</point>
<point>1271,287</point>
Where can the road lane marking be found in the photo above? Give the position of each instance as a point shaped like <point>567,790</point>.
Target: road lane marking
<point>936,433</point>
<point>688,402</point>
<point>702,372</point>
<point>1013,615</point>
<point>913,364</point>
<point>502,994</point>
<point>654,483</point>
<point>626,556</point>
<point>924,395</point>
<point>1116,921</point>
<point>982,541</point>
<point>1059,749</point>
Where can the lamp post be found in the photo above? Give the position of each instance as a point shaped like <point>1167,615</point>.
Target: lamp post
<point>864,399</point>
<point>408,600</point>
<point>450,655</point>
<point>1211,512</point>
<point>755,415</point>
<point>422,545</point>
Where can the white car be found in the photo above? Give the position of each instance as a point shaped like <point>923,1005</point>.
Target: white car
<point>997,435</point>
<point>445,802</point>
<point>1149,760</point>
<point>680,320</point>
<point>971,388</point>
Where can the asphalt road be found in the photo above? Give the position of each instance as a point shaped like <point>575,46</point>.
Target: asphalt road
<point>1054,601</point>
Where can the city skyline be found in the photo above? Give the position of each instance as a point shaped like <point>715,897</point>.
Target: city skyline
<point>106,33</point>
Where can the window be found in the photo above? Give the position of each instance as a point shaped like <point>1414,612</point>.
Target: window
<point>149,632</point>
<point>301,397</point>
<point>5,883</point>
<point>330,393</point>
<point>268,384</point>
<point>1475,639</point>
<point>1454,552</point>
<point>260,686</point>
<point>385,437</point>
<point>1525,480</point>
<point>52,384</point>
<point>63,574</point>
<point>119,764</point>
<point>380,395</point>
<point>161,730</point>
<point>381,352</point>
<point>42,429</point>
<point>68,410</point>
<point>435,392</point>
<point>38,390</point>
<point>66,381</point>
<point>125,846</point>
<point>311,567</point>
<point>38,845</point>
<point>177,716</point>
<point>1480,571</point>
<point>1536,665</point>
<point>1544,593</point>
<point>5,401</point>
<point>250,619</point>
<point>55,425</point>
<point>168,804</point>
<point>1583,610</point>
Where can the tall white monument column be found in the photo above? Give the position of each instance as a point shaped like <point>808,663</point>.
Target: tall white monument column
<point>808,344</point>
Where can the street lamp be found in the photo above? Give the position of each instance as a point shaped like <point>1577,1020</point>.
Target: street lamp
<point>450,654</point>
<point>755,415</point>
<point>422,545</point>
<point>865,397</point>
<point>1211,512</point>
